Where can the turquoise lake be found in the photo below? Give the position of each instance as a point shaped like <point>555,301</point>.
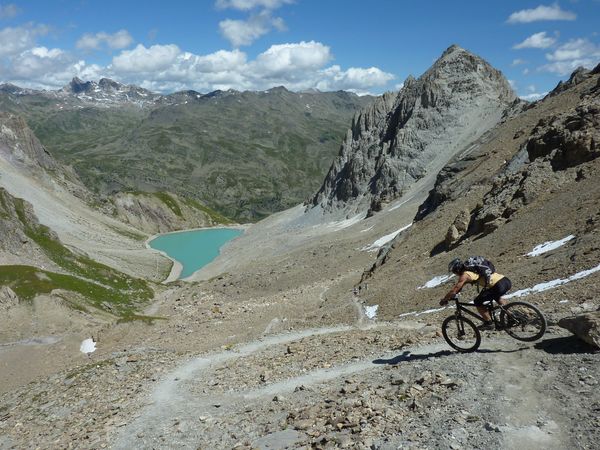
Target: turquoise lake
<point>194,249</point>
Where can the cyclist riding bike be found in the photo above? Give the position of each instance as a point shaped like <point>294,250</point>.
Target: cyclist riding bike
<point>497,286</point>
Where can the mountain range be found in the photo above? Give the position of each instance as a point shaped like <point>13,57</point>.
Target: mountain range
<point>244,154</point>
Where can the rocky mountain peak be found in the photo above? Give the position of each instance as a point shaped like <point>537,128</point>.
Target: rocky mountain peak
<point>77,86</point>
<point>402,135</point>
<point>108,84</point>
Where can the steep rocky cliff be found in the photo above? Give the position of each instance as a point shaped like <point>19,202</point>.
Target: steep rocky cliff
<point>402,136</point>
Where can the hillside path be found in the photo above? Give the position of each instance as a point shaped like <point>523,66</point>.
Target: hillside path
<point>499,396</point>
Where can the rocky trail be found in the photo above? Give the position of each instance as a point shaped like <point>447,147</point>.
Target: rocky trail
<point>276,393</point>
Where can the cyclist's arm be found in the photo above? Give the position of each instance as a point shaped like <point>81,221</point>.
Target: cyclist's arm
<point>462,280</point>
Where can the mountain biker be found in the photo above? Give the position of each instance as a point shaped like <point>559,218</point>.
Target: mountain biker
<point>494,290</point>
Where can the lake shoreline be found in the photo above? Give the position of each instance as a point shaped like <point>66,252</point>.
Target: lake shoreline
<point>177,267</point>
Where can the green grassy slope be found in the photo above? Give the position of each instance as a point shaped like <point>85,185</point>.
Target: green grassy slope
<point>98,284</point>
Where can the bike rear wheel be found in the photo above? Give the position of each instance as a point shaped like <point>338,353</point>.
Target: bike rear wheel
<point>523,321</point>
<point>461,334</point>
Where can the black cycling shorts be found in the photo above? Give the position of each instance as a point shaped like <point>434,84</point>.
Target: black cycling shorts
<point>494,293</point>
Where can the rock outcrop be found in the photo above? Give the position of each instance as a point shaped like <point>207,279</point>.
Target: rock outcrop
<point>553,154</point>
<point>19,145</point>
<point>20,148</point>
<point>397,140</point>
<point>584,326</point>
<point>162,212</point>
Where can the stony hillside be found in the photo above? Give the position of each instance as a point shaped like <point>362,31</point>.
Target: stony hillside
<point>244,154</point>
<point>400,138</point>
<point>530,180</point>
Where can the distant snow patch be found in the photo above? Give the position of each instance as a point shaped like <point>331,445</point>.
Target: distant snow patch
<point>371,311</point>
<point>401,203</point>
<point>436,281</point>
<point>340,225</point>
<point>384,239</point>
<point>554,283</point>
<point>564,301</point>
<point>550,245</point>
<point>367,229</point>
<point>88,346</point>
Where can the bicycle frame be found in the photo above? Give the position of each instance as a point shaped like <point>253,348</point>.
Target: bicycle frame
<point>463,307</point>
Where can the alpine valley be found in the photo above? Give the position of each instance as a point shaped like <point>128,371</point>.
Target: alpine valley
<point>319,327</point>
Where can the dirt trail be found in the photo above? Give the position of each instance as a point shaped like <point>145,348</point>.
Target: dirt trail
<point>503,388</point>
<point>170,399</point>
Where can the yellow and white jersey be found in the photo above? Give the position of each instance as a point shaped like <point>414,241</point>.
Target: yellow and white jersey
<point>476,279</point>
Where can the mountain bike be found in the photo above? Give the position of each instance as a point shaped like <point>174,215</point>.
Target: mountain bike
<point>521,320</point>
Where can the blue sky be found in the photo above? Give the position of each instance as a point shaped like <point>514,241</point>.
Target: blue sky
<point>362,46</point>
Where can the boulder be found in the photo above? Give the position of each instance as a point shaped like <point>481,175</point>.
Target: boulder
<point>584,326</point>
<point>8,298</point>
<point>458,228</point>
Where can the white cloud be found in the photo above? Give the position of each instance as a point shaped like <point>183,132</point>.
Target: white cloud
<point>571,55</point>
<point>166,68</point>
<point>533,96</point>
<point>8,11</point>
<point>48,68</point>
<point>245,32</point>
<point>120,39</point>
<point>283,59</point>
<point>574,49</point>
<point>354,79</point>
<point>525,71</point>
<point>518,62</point>
<point>220,61</point>
<point>537,40</point>
<point>18,39</point>
<point>246,5</point>
<point>542,12</point>
<point>142,59</point>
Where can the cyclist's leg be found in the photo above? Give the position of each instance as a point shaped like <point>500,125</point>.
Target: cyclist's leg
<point>504,285</point>
<point>484,296</point>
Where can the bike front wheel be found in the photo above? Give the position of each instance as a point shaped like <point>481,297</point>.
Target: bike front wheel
<point>461,334</point>
<point>523,321</point>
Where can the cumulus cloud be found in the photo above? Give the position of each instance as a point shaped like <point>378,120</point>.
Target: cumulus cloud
<point>246,5</point>
<point>537,40</point>
<point>542,12</point>
<point>142,59</point>
<point>9,11</point>
<point>166,68</point>
<point>220,61</point>
<point>354,79</point>
<point>244,32</point>
<point>120,39</point>
<point>571,55</point>
<point>297,66</point>
<point>283,60</point>
<point>48,68</point>
<point>18,39</point>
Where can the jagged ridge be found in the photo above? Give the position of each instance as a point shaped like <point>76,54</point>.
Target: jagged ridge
<point>393,143</point>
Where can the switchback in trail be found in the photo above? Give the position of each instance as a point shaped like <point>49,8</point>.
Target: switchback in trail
<point>358,387</point>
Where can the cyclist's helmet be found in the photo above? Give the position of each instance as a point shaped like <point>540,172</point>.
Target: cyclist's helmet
<point>455,266</point>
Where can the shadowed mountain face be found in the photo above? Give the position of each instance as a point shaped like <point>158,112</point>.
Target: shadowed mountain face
<point>246,154</point>
<point>402,136</point>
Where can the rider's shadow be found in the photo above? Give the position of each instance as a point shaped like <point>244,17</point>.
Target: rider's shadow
<point>407,356</point>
